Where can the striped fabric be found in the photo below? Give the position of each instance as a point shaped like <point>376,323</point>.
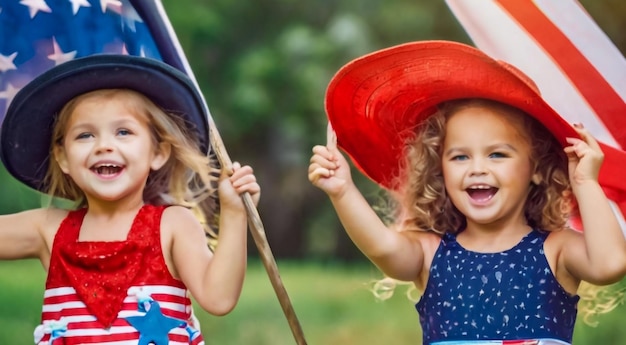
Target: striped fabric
<point>62,304</point>
<point>579,71</point>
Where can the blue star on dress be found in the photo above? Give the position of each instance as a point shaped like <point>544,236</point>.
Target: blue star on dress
<point>154,327</point>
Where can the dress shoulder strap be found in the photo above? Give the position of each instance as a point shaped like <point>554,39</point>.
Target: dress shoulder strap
<point>70,226</point>
<point>147,224</point>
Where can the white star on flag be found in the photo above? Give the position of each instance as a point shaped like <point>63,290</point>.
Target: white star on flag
<point>6,62</point>
<point>34,6</point>
<point>77,4</point>
<point>59,56</point>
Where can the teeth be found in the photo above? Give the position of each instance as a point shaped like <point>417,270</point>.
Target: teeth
<point>106,166</point>
<point>480,187</point>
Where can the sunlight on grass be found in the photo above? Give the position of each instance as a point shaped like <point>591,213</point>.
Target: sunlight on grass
<point>332,303</point>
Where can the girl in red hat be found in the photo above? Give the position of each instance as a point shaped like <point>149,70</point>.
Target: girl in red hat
<point>484,175</point>
<point>126,139</point>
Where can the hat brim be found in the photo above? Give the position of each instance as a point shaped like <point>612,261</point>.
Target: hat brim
<point>26,131</point>
<point>375,102</point>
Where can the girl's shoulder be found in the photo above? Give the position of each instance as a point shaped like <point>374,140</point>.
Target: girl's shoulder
<point>426,239</point>
<point>50,219</point>
<point>178,218</point>
<point>173,212</point>
<point>46,217</point>
<point>556,239</point>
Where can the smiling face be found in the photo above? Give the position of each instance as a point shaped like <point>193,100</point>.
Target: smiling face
<point>108,148</point>
<point>487,165</point>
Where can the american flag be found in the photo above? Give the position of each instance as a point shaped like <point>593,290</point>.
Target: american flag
<point>36,35</point>
<point>579,71</point>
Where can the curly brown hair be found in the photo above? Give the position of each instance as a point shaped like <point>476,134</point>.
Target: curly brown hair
<point>422,203</point>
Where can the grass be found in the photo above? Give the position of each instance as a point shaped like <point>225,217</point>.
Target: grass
<point>331,301</point>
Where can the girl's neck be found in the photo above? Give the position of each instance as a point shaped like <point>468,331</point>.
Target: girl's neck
<point>493,237</point>
<point>109,209</point>
<point>109,220</point>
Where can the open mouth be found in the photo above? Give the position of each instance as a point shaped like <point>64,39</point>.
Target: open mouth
<point>481,193</point>
<point>107,169</point>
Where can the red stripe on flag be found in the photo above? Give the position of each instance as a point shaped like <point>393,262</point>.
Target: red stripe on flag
<point>600,95</point>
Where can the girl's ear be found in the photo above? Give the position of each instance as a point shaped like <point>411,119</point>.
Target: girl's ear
<point>161,155</point>
<point>536,179</point>
<point>61,158</point>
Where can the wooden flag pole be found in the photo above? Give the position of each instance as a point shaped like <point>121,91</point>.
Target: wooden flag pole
<point>254,220</point>
<point>258,233</point>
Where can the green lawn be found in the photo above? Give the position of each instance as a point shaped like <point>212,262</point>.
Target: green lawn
<point>332,303</point>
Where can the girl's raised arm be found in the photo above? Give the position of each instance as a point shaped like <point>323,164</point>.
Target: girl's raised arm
<point>216,279</point>
<point>599,255</point>
<point>399,255</point>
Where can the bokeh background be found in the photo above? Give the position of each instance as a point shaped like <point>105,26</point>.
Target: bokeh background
<point>263,67</point>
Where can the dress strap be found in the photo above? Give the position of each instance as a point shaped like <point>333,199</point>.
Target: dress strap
<point>147,224</point>
<point>70,226</point>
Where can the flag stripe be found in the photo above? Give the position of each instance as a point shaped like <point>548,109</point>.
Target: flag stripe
<point>601,96</point>
<point>589,39</point>
<point>504,39</point>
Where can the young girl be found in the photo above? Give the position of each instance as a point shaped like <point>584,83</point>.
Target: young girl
<point>126,139</point>
<point>484,174</point>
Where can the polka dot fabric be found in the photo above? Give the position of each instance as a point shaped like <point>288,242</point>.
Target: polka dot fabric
<point>495,296</point>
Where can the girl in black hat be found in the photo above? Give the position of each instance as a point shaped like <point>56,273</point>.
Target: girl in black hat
<point>126,139</point>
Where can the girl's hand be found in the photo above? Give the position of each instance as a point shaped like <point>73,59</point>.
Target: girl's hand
<point>231,187</point>
<point>328,169</point>
<point>584,157</point>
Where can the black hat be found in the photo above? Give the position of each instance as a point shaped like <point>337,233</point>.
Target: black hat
<point>26,131</point>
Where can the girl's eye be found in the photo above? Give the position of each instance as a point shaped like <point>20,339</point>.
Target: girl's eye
<point>498,155</point>
<point>84,136</point>
<point>123,132</point>
<point>459,158</point>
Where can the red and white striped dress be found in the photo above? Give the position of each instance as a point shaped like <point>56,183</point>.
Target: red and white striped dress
<point>93,286</point>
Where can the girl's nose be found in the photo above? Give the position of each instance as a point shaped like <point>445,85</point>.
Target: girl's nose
<point>103,145</point>
<point>478,167</point>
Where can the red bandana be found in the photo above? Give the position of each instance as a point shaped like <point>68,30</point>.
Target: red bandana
<point>101,273</point>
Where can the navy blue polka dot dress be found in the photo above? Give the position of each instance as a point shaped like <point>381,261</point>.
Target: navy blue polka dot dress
<point>495,296</point>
